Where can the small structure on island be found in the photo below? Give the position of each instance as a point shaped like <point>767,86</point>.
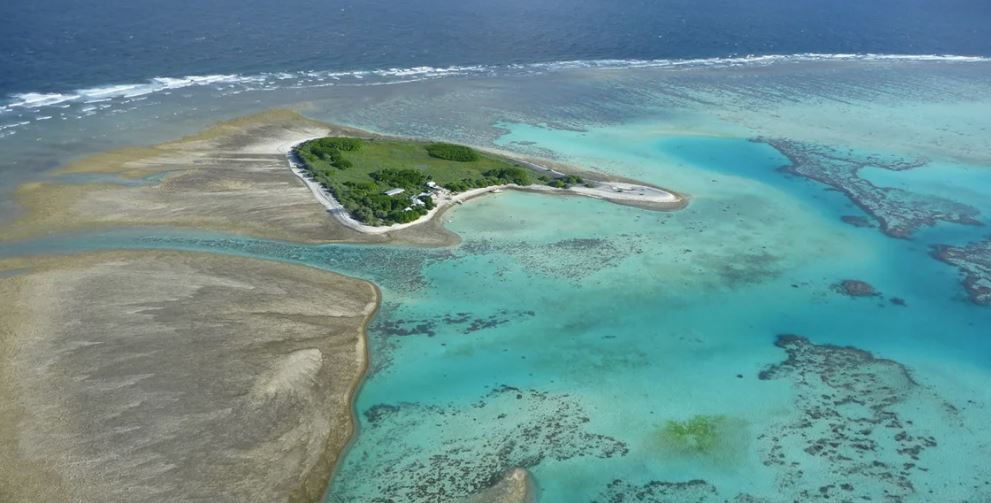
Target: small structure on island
<point>433,185</point>
<point>394,192</point>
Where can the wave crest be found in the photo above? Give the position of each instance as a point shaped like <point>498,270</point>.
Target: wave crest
<point>275,80</point>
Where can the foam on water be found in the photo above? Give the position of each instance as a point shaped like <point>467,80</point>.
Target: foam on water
<point>240,83</point>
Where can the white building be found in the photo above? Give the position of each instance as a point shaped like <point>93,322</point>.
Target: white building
<point>394,192</point>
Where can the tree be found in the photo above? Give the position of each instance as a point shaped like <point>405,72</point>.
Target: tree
<point>450,152</point>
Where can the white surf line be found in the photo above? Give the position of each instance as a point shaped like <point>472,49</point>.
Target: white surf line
<point>305,79</point>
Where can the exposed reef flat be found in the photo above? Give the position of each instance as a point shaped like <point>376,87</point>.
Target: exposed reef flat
<point>169,376</point>
<point>231,178</point>
<point>899,213</point>
<point>974,263</point>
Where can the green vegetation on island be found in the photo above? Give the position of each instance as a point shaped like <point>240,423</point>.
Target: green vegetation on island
<point>383,182</point>
<point>451,152</point>
<point>563,182</point>
<point>366,176</point>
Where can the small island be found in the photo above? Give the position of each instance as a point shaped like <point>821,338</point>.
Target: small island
<point>384,183</point>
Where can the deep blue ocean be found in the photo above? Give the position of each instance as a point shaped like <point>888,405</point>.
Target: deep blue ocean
<point>60,45</point>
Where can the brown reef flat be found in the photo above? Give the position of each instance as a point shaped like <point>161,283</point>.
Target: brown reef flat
<point>172,376</point>
<point>231,178</point>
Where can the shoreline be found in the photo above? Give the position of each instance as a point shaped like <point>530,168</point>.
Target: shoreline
<point>354,391</point>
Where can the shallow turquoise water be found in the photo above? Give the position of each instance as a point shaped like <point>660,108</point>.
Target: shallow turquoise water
<point>641,318</point>
<point>565,333</point>
<point>612,321</point>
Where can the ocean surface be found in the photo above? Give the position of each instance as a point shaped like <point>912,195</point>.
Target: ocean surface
<point>57,46</point>
<point>619,354</point>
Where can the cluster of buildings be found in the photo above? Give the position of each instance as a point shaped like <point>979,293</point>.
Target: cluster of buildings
<point>416,200</point>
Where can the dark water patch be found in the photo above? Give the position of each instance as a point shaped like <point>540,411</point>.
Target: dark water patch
<point>858,220</point>
<point>462,322</point>
<point>747,268</point>
<point>855,288</point>
<point>381,348</point>
<point>569,259</point>
<point>403,328</point>
<point>655,491</point>
<point>392,267</point>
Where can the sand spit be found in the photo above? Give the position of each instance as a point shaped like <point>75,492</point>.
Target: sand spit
<point>169,376</point>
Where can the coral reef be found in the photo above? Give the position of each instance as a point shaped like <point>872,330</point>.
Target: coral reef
<point>692,491</point>
<point>974,263</point>
<point>900,213</point>
<point>848,439</point>
<point>464,322</point>
<point>855,288</point>
<point>522,427</point>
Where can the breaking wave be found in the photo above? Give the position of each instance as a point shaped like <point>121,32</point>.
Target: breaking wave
<point>276,80</point>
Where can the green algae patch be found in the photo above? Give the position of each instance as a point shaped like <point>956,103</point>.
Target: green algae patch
<point>697,434</point>
<point>722,440</point>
